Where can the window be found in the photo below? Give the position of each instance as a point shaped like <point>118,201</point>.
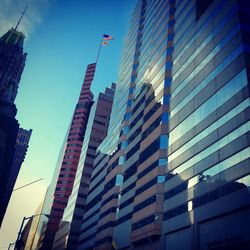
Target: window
<point>129,103</point>
<point>124,144</point>
<point>125,130</point>
<point>165,117</point>
<point>133,150</point>
<point>163,162</point>
<point>163,142</point>
<point>160,178</point>
<point>201,7</point>
<point>151,149</point>
<point>119,180</point>
<point>127,116</point>
<point>121,160</point>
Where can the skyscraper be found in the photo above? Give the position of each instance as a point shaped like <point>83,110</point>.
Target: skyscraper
<point>173,171</point>
<point>206,203</point>
<point>125,201</point>
<point>12,61</point>
<point>67,236</point>
<point>65,177</point>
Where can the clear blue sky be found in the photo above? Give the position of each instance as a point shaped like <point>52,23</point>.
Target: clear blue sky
<point>62,38</point>
<point>58,52</point>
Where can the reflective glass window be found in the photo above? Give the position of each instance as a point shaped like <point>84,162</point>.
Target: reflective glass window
<point>119,180</point>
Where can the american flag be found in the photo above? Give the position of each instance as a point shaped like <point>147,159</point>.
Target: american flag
<point>107,37</point>
<point>105,43</point>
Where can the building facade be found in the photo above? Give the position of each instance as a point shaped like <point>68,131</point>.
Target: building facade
<point>68,234</point>
<point>69,158</point>
<point>125,201</point>
<point>173,171</point>
<point>12,62</point>
<point>206,200</point>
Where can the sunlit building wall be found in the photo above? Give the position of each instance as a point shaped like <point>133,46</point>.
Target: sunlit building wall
<point>125,200</point>
<point>206,200</point>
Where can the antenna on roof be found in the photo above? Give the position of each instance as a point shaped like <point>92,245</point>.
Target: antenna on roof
<point>19,21</point>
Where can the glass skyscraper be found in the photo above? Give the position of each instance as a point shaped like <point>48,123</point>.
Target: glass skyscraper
<point>206,201</point>
<point>173,171</point>
<point>125,200</point>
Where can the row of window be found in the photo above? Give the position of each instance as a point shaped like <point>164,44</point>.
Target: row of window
<point>136,119</point>
<point>107,212</point>
<point>128,188</point>
<point>207,174</point>
<point>91,215</point>
<point>74,145</point>
<point>85,229</point>
<point>124,218</point>
<point>150,150</point>
<point>126,203</point>
<point>228,188</point>
<point>225,64</point>
<point>148,220</point>
<point>130,171</point>
<point>94,201</point>
<point>229,138</point>
<point>135,134</point>
<point>96,185</point>
<point>151,128</point>
<point>88,238</point>
<point>138,105</point>
<point>207,66</point>
<point>111,197</point>
<point>151,112</point>
<point>133,150</point>
<point>208,130</point>
<point>105,226</point>
<point>103,240</point>
<point>145,203</point>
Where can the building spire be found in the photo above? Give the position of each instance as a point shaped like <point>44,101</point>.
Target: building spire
<point>19,21</point>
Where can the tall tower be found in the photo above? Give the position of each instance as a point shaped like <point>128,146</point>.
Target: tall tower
<point>125,199</point>
<point>207,198</point>
<point>66,176</point>
<point>12,61</point>
<point>67,236</point>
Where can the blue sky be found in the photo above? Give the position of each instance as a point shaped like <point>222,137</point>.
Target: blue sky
<point>62,38</point>
<point>59,50</point>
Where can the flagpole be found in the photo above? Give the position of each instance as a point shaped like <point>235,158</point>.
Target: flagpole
<point>99,51</point>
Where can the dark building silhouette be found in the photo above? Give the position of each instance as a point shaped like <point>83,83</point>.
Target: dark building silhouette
<point>21,147</point>
<point>12,61</point>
